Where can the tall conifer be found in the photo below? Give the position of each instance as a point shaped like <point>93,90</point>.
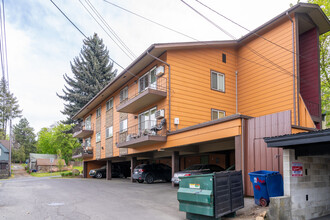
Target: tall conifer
<point>92,71</point>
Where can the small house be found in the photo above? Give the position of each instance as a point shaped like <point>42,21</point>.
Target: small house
<point>34,157</point>
<point>4,158</point>
<point>48,165</point>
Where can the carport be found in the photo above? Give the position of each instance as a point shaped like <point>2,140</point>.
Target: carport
<point>306,166</point>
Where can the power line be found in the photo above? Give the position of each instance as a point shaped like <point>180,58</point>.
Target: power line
<point>105,31</point>
<point>5,39</point>
<point>154,22</point>
<point>68,19</point>
<point>228,34</point>
<point>254,33</point>
<point>124,69</point>
<point>236,55</point>
<point>109,28</point>
<point>223,30</point>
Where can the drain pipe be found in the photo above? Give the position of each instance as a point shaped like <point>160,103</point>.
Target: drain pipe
<point>236,92</point>
<point>294,70</point>
<point>169,88</point>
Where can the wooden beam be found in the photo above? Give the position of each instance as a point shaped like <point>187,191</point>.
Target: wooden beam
<point>133,165</point>
<point>175,163</point>
<point>85,169</point>
<point>109,170</point>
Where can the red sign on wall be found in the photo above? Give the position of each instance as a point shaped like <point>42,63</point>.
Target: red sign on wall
<point>297,169</point>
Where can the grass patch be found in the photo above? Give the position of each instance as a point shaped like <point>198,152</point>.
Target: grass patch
<point>63,173</point>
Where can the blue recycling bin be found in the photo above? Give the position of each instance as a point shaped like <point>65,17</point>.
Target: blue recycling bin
<point>266,184</point>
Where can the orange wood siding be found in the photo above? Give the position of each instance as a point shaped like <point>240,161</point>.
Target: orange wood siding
<point>209,133</point>
<point>192,97</point>
<point>304,116</point>
<point>263,88</point>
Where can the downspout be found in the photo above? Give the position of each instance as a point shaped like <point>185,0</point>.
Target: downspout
<point>294,70</point>
<point>169,88</point>
<point>243,162</point>
<point>236,92</point>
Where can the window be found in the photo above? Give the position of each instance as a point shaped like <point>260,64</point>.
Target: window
<point>109,104</point>
<point>98,112</point>
<point>124,94</point>
<point>147,119</point>
<point>98,137</point>
<point>216,114</point>
<point>148,80</point>
<point>218,81</point>
<point>224,58</point>
<point>109,132</point>
<point>87,142</point>
<point>88,123</point>
<point>123,126</point>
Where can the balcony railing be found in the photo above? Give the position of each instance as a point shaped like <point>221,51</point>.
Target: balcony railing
<point>82,152</point>
<point>83,131</point>
<point>313,108</point>
<point>144,133</point>
<point>138,99</point>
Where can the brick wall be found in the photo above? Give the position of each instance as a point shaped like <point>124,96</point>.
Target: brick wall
<point>314,184</point>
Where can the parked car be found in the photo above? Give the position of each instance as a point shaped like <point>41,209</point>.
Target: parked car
<point>152,172</point>
<point>117,170</point>
<point>196,169</point>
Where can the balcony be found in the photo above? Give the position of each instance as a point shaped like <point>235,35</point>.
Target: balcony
<point>141,99</point>
<point>82,152</point>
<point>82,131</point>
<point>142,134</point>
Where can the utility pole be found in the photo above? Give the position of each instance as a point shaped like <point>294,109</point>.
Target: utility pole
<point>10,146</point>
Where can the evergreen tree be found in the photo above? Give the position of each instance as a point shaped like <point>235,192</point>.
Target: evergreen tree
<point>25,137</point>
<point>9,108</point>
<point>92,71</point>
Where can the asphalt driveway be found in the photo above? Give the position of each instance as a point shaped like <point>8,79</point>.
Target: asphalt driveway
<point>49,198</point>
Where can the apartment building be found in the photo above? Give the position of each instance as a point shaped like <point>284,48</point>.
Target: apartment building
<point>210,102</point>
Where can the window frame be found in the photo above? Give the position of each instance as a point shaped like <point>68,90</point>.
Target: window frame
<point>217,110</point>
<point>98,112</point>
<point>97,140</point>
<point>89,119</point>
<point>107,131</point>
<point>120,126</point>
<point>88,142</point>
<point>108,104</point>
<point>224,81</point>
<point>121,99</point>
<point>148,74</point>
<point>150,125</point>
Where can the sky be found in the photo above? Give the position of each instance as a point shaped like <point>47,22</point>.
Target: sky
<point>41,42</point>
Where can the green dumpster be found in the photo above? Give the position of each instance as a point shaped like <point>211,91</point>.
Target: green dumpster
<point>210,196</point>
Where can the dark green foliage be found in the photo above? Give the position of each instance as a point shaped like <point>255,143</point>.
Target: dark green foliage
<point>92,71</point>
<point>9,108</point>
<point>25,138</point>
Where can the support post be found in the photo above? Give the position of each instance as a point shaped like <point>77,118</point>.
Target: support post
<point>238,152</point>
<point>133,165</point>
<point>85,169</point>
<point>109,170</point>
<point>175,163</point>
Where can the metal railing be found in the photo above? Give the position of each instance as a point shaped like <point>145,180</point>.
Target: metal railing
<point>82,126</point>
<point>150,127</point>
<point>134,90</point>
<point>313,108</point>
<point>83,150</point>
